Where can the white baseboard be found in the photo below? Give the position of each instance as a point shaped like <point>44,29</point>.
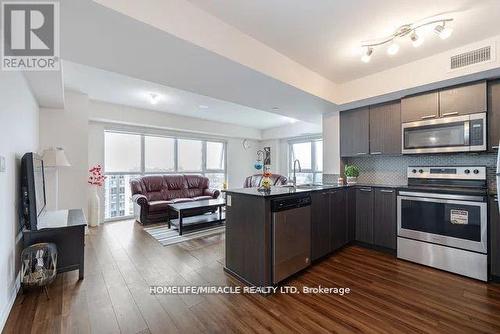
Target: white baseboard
<point>4,315</point>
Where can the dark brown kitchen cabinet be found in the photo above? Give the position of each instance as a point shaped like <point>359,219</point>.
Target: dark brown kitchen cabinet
<point>351,213</point>
<point>354,132</point>
<point>364,215</point>
<point>385,128</point>
<point>384,218</point>
<point>494,237</point>
<point>420,107</point>
<point>463,100</point>
<point>338,219</point>
<point>493,115</point>
<point>320,224</point>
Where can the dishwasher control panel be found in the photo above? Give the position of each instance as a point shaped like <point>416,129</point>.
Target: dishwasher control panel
<point>290,202</point>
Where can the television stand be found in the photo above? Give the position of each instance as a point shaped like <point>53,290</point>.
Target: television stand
<point>66,229</point>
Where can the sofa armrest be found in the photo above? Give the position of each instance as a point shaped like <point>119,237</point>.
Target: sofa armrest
<point>140,199</point>
<point>211,192</point>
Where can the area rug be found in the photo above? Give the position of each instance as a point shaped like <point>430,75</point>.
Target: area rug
<point>169,236</point>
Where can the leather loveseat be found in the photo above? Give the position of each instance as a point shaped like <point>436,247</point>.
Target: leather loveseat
<point>256,180</point>
<point>152,194</point>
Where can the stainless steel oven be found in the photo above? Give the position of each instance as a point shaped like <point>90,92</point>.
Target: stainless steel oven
<point>458,221</point>
<point>442,218</point>
<point>450,134</point>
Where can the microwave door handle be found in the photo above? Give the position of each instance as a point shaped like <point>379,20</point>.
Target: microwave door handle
<point>466,133</point>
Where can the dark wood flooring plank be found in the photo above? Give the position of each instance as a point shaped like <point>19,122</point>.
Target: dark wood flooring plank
<point>122,262</point>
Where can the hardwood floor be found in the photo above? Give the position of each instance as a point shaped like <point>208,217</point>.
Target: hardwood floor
<point>122,261</point>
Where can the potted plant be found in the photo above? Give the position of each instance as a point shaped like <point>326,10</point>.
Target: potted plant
<point>352,173</point>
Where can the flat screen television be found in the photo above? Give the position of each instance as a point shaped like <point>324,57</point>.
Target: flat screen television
<point>32,189</point>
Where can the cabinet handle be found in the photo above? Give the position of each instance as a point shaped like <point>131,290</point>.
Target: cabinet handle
<point>495,147</point>
<point>365,189</point>
<point>386,191</point>
<point>375,153</point>
<point>428,116</point>
<point>361,153</point>
<point>450,113</point>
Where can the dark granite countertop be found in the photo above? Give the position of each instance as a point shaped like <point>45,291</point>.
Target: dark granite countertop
<point>280,191</point>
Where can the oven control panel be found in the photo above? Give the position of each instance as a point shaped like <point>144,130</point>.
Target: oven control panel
<point>463,172</point>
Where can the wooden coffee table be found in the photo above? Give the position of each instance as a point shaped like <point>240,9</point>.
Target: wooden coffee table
<point>185,208</point>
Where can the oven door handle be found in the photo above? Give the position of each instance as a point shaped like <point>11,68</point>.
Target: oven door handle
<point>442,196</point>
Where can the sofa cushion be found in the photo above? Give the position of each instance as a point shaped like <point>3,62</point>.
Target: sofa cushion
<point>201,198</point>
<point>196,181</point>
<point>159,205</point>
<point>182,200</point>
<point>190,193</point>
<point>175,182</point>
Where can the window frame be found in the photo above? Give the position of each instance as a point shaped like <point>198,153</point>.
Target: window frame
<point>176,138</point>
<point>312,170</point>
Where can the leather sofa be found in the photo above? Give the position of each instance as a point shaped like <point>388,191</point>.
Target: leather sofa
<point>254,181</point>
<point>152,194</point>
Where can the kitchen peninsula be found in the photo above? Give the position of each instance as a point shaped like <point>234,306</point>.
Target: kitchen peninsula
<point>272,235</point>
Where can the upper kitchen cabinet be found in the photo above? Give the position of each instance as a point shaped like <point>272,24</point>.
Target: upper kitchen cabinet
<point>463,100</point>
<point>385,128</point>
<point>354,132</point>
<point>494,115</point>
<point>420,107</point>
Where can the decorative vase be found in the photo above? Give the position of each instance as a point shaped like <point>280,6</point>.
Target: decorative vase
<point>94,207</point>
<point>352,179</point>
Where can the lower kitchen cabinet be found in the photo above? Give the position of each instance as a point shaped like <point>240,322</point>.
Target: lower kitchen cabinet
<point>320,224</point>
<point>351,213</point>
<point>338,219</point>
<point>494,237</point>
<point>364,215</point>
<point>384,218</point>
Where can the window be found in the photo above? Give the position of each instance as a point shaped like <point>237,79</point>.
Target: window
<point>131,155</point>
<point>215,156</point>
<point>159,154</point>
<point>310,155</point>
<point>190,155</point>
<point>122,152</point>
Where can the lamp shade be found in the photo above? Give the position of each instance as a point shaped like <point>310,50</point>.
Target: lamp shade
<point>55,157</point>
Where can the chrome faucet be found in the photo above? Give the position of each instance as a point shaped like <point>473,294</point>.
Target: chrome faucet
<point>294,179</point>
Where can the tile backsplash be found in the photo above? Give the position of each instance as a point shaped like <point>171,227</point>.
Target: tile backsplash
<point>391,170</point>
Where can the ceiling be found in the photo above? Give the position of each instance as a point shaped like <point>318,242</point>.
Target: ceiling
<point>106,86</point>
<point>324,35</point>
<point>118,44</point>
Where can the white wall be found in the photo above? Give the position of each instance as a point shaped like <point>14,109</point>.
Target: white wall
<point>331,143</point>
<point>68,128</point>
<point>18,135</point>
<point>240,161</point>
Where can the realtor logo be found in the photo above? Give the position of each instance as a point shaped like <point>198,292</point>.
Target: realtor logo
<point>30,39</point>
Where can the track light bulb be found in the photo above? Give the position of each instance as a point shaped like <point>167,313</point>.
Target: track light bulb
<point>442,31</point>
<point>393,49</point>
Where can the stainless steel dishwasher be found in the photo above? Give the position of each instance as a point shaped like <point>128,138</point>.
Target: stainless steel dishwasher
<point>291,235</point>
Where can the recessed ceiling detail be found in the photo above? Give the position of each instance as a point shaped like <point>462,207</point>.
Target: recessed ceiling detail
<point>414,31</point>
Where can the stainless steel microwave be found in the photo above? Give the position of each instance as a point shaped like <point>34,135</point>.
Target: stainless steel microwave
<point>450,134</point>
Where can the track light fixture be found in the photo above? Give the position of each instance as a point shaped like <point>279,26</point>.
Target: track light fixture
<point>443,31</point>
<point>412,30</point>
